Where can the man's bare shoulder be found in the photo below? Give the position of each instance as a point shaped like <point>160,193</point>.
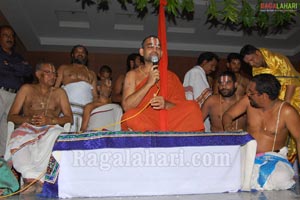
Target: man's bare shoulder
<point>288,109</point>
<point>93,74</point>
<point>27,88</point>
<point>93,105</point>
<point>244,103</point>
<point>58,91</point>
<point>213,99</point>
<point>131,74</point>
<point>64,67</point>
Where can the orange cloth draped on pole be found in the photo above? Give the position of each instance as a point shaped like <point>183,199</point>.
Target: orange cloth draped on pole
<point>184,116</point>
<point>163,63</point>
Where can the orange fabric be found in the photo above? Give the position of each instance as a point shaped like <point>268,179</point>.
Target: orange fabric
<point>163,63</point>
<point>184,116</point>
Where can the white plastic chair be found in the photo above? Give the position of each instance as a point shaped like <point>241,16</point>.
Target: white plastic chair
<point>107,116</point>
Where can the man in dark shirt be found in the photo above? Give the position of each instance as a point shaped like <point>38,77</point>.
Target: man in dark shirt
<point>13,72</point>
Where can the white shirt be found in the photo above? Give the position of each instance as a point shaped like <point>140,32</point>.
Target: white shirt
<point>195,82</point>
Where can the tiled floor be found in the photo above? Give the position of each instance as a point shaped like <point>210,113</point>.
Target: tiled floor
<point>266,195</point>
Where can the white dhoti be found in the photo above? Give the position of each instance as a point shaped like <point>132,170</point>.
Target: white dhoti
<point>79,94</point>
<point>272,171</point>
<point>106,117</point>
<point>31,147</point>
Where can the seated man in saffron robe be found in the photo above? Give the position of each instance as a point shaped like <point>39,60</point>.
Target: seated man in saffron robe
<point>142,100</point>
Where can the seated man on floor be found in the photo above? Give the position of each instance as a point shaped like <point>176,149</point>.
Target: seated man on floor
<point>269,121</point>
<point>102,114</point>
<point>37,109</point>
<point>215,105</point>
<point>79,83</point>
<point>142,100</point>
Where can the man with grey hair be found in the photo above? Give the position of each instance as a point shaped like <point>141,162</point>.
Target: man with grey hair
<point>40,110</point>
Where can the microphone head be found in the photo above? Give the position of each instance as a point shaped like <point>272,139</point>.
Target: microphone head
<point>154,59</point>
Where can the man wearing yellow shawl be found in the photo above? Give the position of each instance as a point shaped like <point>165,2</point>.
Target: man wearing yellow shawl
<point>264,61</point>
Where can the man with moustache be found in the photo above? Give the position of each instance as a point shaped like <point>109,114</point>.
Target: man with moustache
<point>14,72</point>
<point>37,111</point>
<point>142,100</point>
<point>234,62</point>
<point>269,120</point>
<point>216,105</point>
<point>265,61</point>
<point>79,82</point>
<point>195,82</point>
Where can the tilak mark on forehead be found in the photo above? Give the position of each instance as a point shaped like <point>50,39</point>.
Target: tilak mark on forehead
<point>224,79</point>
<point>154,41</point>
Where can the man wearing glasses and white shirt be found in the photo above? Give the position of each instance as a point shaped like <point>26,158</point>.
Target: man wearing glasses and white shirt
<point>195,81</point>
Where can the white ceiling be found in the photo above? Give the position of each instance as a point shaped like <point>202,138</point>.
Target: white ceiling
<point>57,25</point>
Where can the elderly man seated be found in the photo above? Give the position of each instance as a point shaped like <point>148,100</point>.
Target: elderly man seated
<point>37,109</point>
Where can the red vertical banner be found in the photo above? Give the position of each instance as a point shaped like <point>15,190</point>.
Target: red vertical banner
<point>163,63</point>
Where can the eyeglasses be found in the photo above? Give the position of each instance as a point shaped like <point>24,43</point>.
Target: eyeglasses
<point>49,72</point>
<point>253,93</point>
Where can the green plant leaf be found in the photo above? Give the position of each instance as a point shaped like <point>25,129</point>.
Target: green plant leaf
<point>229,13</point>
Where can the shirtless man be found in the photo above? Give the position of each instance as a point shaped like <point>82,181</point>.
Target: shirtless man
<point>133,61</point>
<point>269,120</point>
<point>216,105</point>
<point>104,98</point>
<point>79,82</point>
<point>104,77</point>
<point>37,108</point>
<point>233,64</point>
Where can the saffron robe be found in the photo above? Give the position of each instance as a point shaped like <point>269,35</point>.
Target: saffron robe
<point>280,66</point>
<point>184,116</point>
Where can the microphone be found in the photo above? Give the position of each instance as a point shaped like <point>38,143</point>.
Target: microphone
<point>154,60</point>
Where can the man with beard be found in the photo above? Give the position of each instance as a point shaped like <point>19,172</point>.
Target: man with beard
<point>79,82</point>
<point>216,105</point>
<point>269,120</point>
<point>234,62</point>
<point>142,100</point>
